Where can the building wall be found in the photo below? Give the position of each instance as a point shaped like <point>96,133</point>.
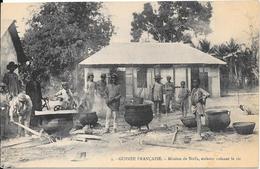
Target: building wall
<point>177,77</point>
<point>8,53</point>
<point>178,74</point>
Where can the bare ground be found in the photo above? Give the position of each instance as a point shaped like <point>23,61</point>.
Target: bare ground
<point>121,149</point>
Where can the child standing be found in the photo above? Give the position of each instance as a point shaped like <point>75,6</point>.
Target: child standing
<point>198,101</point>
<point>184,98</point>
<point>169,94</point>
<point>157,95</point>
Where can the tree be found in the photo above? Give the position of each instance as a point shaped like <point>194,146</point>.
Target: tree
<point>172,21</point>
<point>62,34</point>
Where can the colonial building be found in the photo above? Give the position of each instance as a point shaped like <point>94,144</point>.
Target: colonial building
<point>137,63</point>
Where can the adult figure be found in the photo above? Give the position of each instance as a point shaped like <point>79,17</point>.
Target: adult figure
<point>198,101</point>
<point>90,90</point>
<point>157,95</point>
<point>11,80</point>
<point>21,107</point>
<point>113,102</point>
<point>33,89</point>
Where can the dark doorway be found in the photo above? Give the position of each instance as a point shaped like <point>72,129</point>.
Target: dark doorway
<point>202,76</point>
<point>204,79</point>
<point>194,74</point>
<point>122,82</point>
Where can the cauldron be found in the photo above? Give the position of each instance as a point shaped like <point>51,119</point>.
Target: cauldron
<point>217,119</point>
<point>138,115</point>
<point>88,118</point>
<point>189,121</point>
<point>57,124</point>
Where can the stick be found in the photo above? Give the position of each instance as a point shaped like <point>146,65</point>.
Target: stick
<point>16,144</point>
<point>174,135</point>
<point>34,132</point>
<point>87,136</point>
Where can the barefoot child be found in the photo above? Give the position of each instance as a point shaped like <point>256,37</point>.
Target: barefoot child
<point>198,100</point>
<point>184,96</point>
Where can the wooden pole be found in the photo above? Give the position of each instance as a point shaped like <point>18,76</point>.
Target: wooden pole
<point>187,78</point>
<point>133,82</point>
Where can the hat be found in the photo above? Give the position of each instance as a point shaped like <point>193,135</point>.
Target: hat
<point>168,77</point>
<point>11,65</point>
<point>22,97</point>
<point>103,75</point>
<point>157,76</point>
<point>114,75</point>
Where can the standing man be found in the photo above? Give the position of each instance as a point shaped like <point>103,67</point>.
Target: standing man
<point>169,94</point>
<point>157,95</point>
<point>11,80</point>
<point>198,101</point>
<point>33,89</point>
<point>21,107</point>
<point>113,102</point>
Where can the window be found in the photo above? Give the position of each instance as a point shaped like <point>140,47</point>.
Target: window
<point>142,78</point>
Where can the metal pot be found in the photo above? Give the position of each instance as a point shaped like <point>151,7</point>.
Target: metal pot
<point>138,114</point>
<point>189,121</point>
<point>217,119</point>
<point>88,118</point>
<point>57,124</point>
<point>244,128</point>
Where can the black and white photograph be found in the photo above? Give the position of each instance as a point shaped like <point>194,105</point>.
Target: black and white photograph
<point>129,84</point>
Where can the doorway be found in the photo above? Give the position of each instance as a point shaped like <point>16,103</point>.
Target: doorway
<point>202,76</point>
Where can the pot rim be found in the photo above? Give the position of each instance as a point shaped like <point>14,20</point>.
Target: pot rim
<point>244,124</point>
<point>216,111</point>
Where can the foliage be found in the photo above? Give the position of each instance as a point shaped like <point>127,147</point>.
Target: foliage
<point>172,20</point>
<point>241,62</point>
<point>62,34</point>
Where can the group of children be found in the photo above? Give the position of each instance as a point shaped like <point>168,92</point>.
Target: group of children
<point>198,98</point>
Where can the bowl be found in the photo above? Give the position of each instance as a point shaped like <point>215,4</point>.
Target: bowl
<point>244,127</point>
<point>189,121</point>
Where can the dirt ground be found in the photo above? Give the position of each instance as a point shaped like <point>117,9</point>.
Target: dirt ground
<point>121,149</point>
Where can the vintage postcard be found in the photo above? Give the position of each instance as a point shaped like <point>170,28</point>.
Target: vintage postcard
<point>130,84</point>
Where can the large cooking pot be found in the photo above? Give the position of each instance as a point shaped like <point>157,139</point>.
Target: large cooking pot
<point>56,125</point>
<point>217,119</point>
<point>138,115</point>
<point>88,118</point>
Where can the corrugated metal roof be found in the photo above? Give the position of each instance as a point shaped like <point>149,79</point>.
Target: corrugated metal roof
<point>150,53</point>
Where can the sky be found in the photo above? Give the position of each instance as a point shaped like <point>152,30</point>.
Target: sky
<point>229,18</point>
